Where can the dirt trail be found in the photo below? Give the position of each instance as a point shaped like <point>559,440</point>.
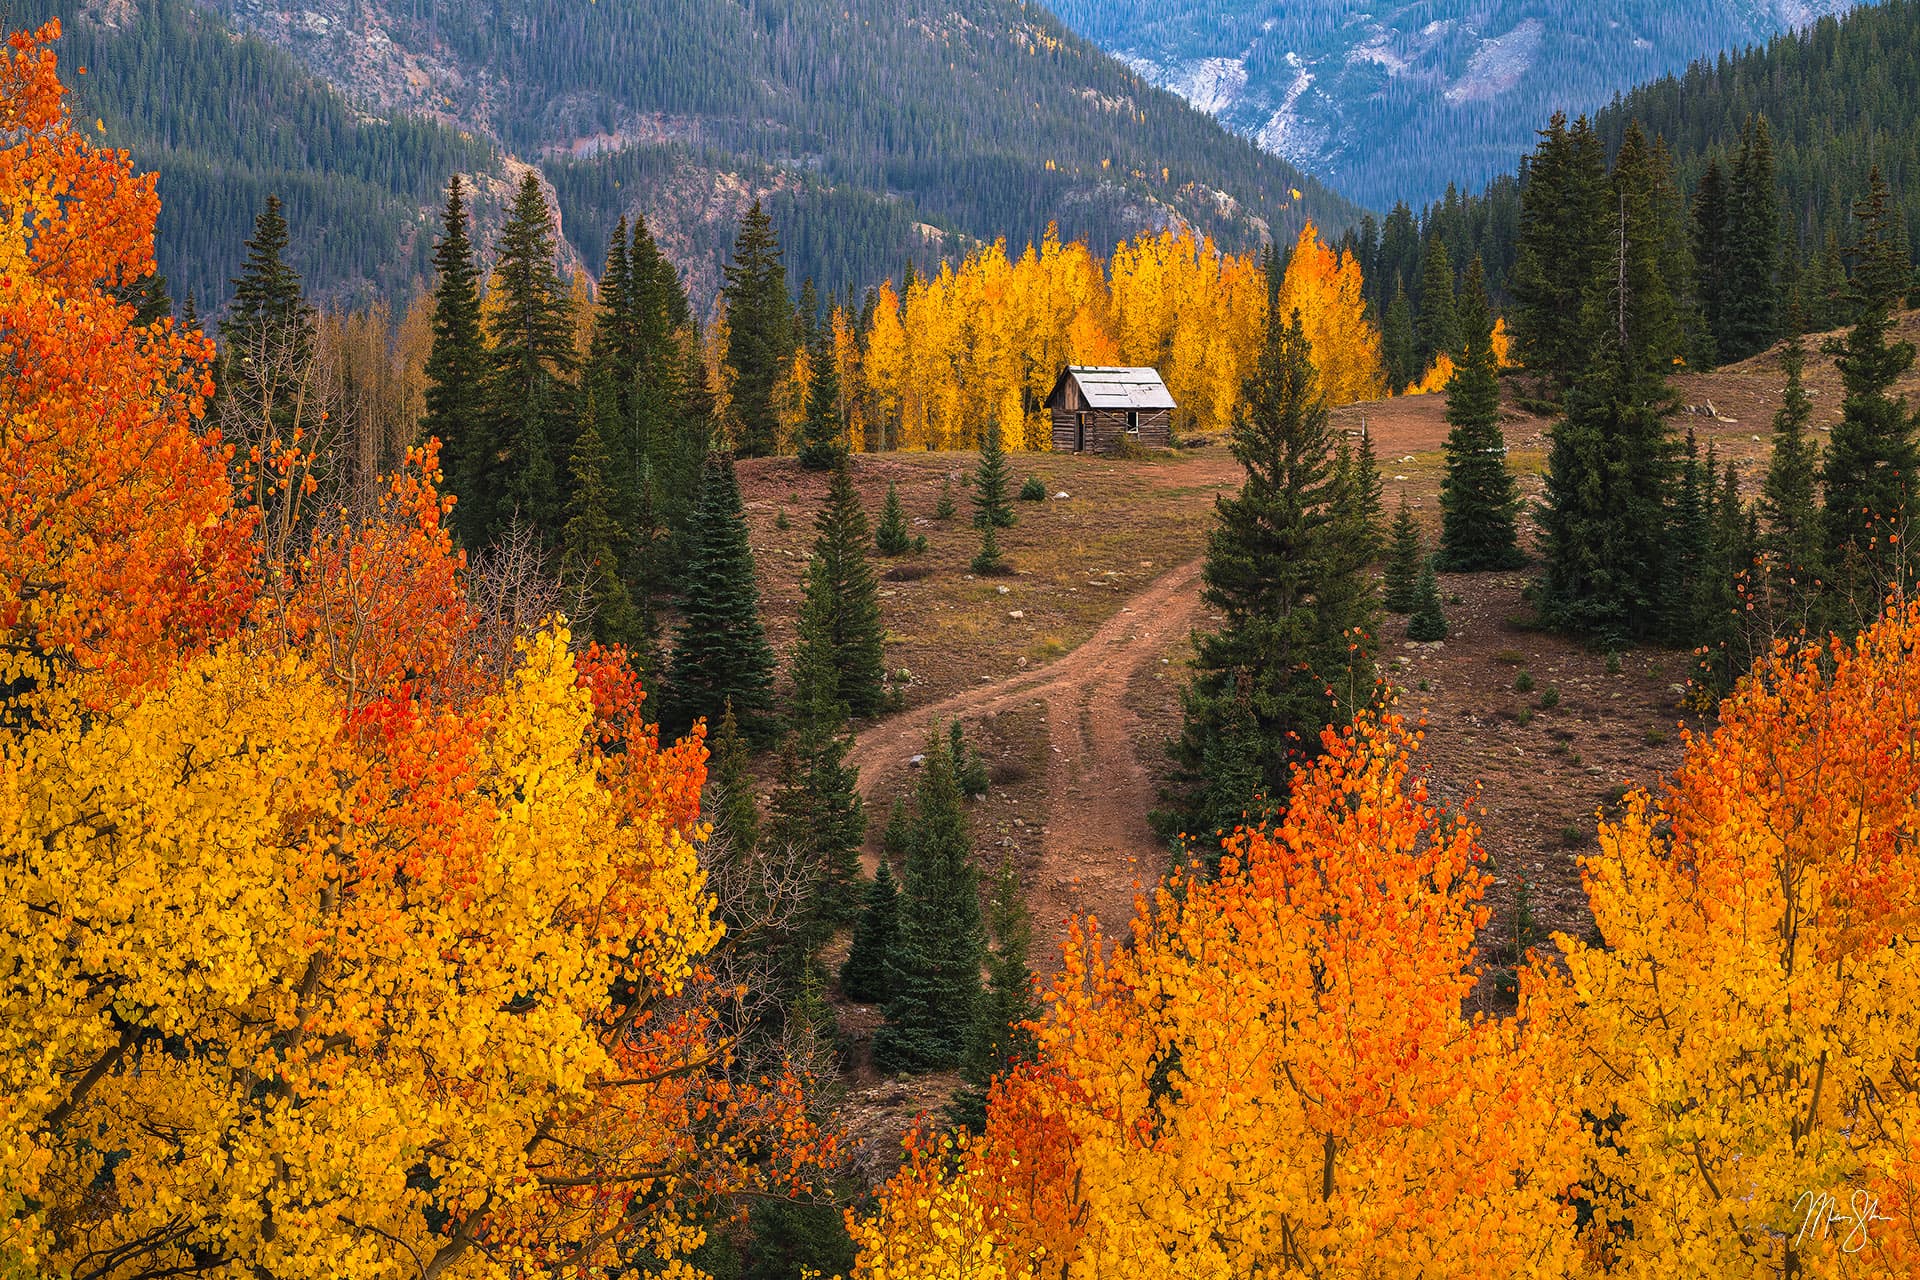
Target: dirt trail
<point>1097,788</point>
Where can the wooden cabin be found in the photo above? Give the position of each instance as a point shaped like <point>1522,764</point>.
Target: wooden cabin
<point>1096,407</point>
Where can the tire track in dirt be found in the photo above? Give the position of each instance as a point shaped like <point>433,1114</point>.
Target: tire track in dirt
<point>1098,791</point>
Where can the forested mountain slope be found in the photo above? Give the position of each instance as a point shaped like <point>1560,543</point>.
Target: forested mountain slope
<point>878,131</point>
<point>1393,101</point>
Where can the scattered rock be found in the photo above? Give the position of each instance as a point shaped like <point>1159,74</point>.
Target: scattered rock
<point>1061,494</point>
<point>916,762</point>
<point>1016,613</point>
<point>1003,590</point>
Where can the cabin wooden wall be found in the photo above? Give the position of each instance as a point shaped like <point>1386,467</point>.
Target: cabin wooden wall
<point>1106,428</point>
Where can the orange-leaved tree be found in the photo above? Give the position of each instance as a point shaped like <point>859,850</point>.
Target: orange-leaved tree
<point>118,542</point>
<point>1325,286</point>
<point>1746,1038</point>
<point>1275,1078</point>
<point>361,938</point>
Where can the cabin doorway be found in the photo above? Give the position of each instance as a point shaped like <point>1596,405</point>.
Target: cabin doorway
<point>1080,432</point>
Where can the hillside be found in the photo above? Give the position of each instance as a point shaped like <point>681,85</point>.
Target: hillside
<point>879,133</point>
<point>1395,102</point>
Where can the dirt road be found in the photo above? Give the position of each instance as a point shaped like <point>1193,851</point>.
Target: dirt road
<point>1098,790</point>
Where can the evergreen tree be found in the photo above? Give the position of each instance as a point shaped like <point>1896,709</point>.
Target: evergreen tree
<point>933,971</point>
<point>1564,244</point>
<point>1293,652</point>
<point>1397,343</point>
<point>1872,462</point>
<point>945,508</point>
<point>1610,468</point>
<point>823,439</point>
<point>147,296</point>
<point>890,537</point>
<point>1428,623</point>
<point>988,562</point>
<point>852,634</point>
<point>266,339</point>
<point>898,836</point>
<point>1752,301</point>
<point>1690,547</point>
<point>1711,252</point>
<point>189,314</point>
<point>864,975</point>
<point>591,545</point>
<point>999,1038</point>
<point>720,652</point>
<point>1439,320</point>
<point>993,483</point>
<point>529,400</point>
<point>730,802</point>
<point>1793,541</point>
<point>1720,656</point>
<point>1479,503</point>
<point>1405,556</point>
<point>760,332</point>
<point>455,371</point>
<point>1825,293</point>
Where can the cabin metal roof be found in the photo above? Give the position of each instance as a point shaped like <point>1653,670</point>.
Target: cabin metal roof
<point>1117,387</point>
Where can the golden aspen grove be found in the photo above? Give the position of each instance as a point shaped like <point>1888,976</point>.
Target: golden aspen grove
<point>360,921</point>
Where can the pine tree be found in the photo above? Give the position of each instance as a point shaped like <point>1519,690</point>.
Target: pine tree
<point>1793,541</point>
<point>1873,463</point>
<point>529,399</point>
<point>1564,243</point>
<point>1405,556</point>
<point>823,438</point>
<point>1690,547</point>
<point>933,971</point>
<point>1428,623</point>
<point>945,508</point>
<point>720,652</point>
<point>1000,1037</point>
<point>875,934</point>
<point>731,804</point>
<point>1479,503</point>
<point>988,562</point>
<point>760,331</point>
<point>890,537</point>
<point>1720,657</point>
<point>1711,250</point>
<point>1752,302</point>
<point>993,483</point>
<point>266,339</point>
<point>456,369</point>
<point>853,635</point>
<point>1397,343</point>
<point>1439,321</point>
<point>1294,651</point>
<point>592,542</point>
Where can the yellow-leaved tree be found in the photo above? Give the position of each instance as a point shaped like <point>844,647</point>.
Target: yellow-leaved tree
<point>1325,287</point>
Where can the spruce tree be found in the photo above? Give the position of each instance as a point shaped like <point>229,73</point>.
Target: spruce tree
<point>720,652</point>
<point>890,536</point>
<point>591,545</point>
<point>853,635</point>
<point>1872,463</point>
<point>731,803</point>
<point>760,331</point>
<point>1479,503</point>
<point>529,398</point>
<point>999,1038</point>
<point>1752,301</point>
<point>1398,343</point>
<point>1711,251</point>
<point>1405,556</point>
<point>1793,539</point>
<point>822,437</point>
<point>1428,623</point>
<point>1439,323</point>
<point>988,562</point>
<point>1293,652</point>
<point>1564,244</point>
<point>456,371</point>
<point>945,508</point>
<point>1689,547</point>
<point>863,977</point>
<point>993,483</point>
<point>933,971</point>
<point>1720,654</point>
<point>266,339</point>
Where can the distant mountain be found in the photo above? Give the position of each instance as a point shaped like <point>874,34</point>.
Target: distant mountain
<point>1393,101</point>
<point>879,131</point>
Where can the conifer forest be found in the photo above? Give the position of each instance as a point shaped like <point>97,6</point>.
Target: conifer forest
<point>746,641</point>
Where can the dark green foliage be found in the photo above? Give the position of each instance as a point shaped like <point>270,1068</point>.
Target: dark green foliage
<point>863,977</point>
<point>1479,503</point>
<point>527,431</point>
<point>945,508</point>
<point>1711,231</point>
<point>456,368</point>
<point>760,336</point>
<point>731,804</point>
<point>1428,623</point>
<point>988,562</point>
<point>999,1038</point>
<point>1689,546</point>
<point>1439,321</point>
<point>933,970</point>
<point>823,441</point>
<point>1033,490</point>
<point>969,770</point>
<point>850,631</point>
<point>898,836</point>
<point>1405,557</point>
<point>147,296</point>
<point>591,546</point>
<point>266,339</point>
<point>780,1239</point>
<point>1294,650</point>
<point>720,653</point>
<point>890,537</point>
<point>1751,305</point>
<point>992,482</point>
<point>1397,343</point>
<point>1873,463</point>
<point>1562,247</point>
<point>1721,654</point>
<point>1793,540</point>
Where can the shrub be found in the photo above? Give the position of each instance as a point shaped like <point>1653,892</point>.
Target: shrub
<point>1523,683</point>
<point>1033,490</point>
<point>1549,698</point>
